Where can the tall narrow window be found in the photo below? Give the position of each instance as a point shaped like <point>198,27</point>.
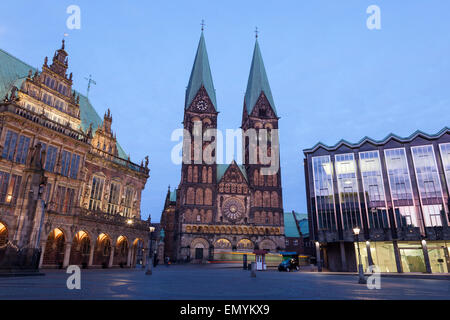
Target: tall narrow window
<point>50,158</point>
<point>10,145</point>
<point>65,162</point>
<point>13,189</point>
<point>128,203</point>
<point>323,192</point>
<point>372,178</point>
<point>22,149</point>
<point>400,187</point>
<point>113,204</point>
<point>96,193</point>
<point>74,166</point>
<point>348,190</point>
<point>4,181</point>
<point>430,190</point>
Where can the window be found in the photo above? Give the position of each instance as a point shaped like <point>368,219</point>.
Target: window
<point>4,180</point>
<point>65,199</point>
<point>10,145</point>
<point>65,162</point>
<point>295,242</point>
<point>13,189</point>
<point>400,187</point>
<point>373,186</point>
<point>445,156</point>
<point>50,158</point>
<point>323,191</point>
<point>74,166</point>
<point>128,203</point>
<point>287,242</point>
<point>96,193</point>
<point>429,185</point>
<point>22,149</point>
<point>113,204</point>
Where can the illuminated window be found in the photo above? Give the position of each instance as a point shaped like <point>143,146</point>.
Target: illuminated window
<point>400,187</point>
<point>348,190</point>
<point>323,191</point>
<point>430,190</point>
<point>372,178</point>
<point>113,204</point>
<point>96,193</point>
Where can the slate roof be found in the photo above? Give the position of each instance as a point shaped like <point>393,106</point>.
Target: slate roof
<point>200,76</point>
<point>13,72</point>
<point>257,82</point>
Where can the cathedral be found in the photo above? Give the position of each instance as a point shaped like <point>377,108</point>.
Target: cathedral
<point>221,208</point>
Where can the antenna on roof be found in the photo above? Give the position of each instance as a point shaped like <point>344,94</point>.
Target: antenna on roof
<point>90,81</point>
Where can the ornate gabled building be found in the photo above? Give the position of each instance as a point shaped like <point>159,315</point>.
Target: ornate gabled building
<point>67,188</point>
<point>224,207</point>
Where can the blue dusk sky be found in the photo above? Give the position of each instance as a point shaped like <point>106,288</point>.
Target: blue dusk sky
<point>331,77</point>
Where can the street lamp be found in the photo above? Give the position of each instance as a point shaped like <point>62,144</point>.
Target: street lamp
<point>148,270</point>
<point>361,278</point>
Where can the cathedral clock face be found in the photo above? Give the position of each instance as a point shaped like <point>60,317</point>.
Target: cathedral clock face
<point>201,105</point>
<point>233,209</point>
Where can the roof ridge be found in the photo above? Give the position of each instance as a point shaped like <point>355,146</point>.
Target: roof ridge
<point>375,141</point>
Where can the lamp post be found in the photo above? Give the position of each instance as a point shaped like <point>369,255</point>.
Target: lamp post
<point>148,270</point>
<point>361,278</point>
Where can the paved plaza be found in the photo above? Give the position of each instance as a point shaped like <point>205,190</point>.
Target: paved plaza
<point>213,282</point>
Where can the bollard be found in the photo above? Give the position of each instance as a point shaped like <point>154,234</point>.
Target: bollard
<point>253,268</point>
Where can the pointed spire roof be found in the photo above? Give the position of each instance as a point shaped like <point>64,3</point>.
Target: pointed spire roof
<point>257,82</point>
<point>200,76</point>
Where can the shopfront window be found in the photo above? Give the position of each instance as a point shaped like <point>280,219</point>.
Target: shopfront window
<point>373,186</point>
<point>411,254</point>
<point>348,190</point>
<point>430,190</point>
<point>382,255</point>
<point>323,191</point>
<point>439,256</point>
<point>400,187</point>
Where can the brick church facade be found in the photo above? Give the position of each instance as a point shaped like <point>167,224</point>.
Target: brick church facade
<point>224,207</point>
<point>66,185</point>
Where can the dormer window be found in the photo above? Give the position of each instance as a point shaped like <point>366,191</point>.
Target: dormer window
<point>262,112</point>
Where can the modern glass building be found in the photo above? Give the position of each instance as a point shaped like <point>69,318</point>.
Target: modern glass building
<point>395,190</point>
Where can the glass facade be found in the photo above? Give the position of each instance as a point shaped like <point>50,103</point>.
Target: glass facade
<point>382,255</point>
<point>430,190</point>
<point>438,253</point>
<point>411,255</point>
<point>323,191</point>
<point>400,187</point>
<point>445,156</point>
<point>348,190</point>
<point>373,186</point>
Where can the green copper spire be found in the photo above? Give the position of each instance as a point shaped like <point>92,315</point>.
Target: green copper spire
<point>257,82</point>
<point>200,75</point>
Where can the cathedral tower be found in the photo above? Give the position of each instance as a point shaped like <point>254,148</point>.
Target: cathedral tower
<point>259,113</point>
<point>197,191</point>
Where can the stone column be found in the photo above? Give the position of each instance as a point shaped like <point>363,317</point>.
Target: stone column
<point>41,259</point>
<point>398,260</point>
<point>67,254</point>
<point>91,255</point>
<point>130,248</point>
<point>343,257</point>
<point>111,257</point>
<point>426,256</point>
